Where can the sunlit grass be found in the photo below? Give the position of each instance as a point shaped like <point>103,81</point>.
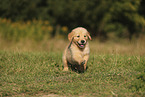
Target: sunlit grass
<point>123,47</point>
<point>58,45</point>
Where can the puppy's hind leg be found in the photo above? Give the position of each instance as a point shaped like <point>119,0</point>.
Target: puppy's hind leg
<point>86,60</point>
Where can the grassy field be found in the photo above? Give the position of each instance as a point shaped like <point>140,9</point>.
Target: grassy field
<point>31,64</point>
<point>35,69</point>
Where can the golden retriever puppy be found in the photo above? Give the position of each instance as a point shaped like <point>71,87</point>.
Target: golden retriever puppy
<point>77,52</point>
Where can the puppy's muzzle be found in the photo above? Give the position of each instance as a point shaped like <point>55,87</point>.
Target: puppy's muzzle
<point>81,44</point>
<point>82,41</point>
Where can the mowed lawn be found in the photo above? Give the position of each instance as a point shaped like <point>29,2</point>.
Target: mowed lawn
<point>40,73</point>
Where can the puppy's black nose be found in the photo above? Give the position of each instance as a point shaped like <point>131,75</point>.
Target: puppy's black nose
<point>82,41</point>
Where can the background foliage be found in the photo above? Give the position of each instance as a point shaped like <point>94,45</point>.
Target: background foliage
<point>103,18</point>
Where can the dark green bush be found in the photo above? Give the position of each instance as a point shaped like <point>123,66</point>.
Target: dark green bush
<point>124,18</point>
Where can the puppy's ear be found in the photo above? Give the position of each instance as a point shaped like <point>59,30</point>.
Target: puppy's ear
<point>89,36</point>
<point>70,36</point>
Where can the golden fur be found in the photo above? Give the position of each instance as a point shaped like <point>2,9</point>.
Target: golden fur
<point>77,52</point>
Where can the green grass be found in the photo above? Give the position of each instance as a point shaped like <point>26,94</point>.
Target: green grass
<point>40,73</point>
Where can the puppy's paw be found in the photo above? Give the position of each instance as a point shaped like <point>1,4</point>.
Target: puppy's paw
<point>83,62</point>
<point>65,69</point>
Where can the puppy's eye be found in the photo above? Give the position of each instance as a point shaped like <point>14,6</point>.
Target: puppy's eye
<point>84,35</point>
<point>78,36</point>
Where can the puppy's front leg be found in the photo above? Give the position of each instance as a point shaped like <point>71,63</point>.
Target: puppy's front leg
<point>86,60</point>
<point>65,64</point>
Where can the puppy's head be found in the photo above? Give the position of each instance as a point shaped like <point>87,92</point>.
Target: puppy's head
<point>79,36</point>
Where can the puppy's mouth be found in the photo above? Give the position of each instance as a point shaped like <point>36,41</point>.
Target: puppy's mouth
<point>81,45</point>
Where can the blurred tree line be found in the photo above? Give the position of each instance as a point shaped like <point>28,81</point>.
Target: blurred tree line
<point>121,18</point>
